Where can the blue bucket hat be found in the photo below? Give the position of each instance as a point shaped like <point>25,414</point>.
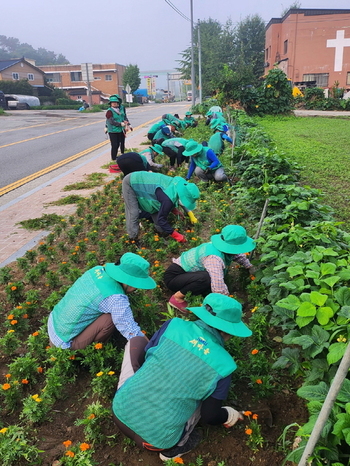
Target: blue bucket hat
<point>223,313</point>
<point>133,270</point>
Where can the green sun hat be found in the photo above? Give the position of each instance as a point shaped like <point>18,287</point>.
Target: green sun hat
<point>188,113</point>
<point>233,239</point>
<point>133,271</point>
<point>192,148</point>
<point>157,148</point>
<point>223,313</point>
<point>188,193</point>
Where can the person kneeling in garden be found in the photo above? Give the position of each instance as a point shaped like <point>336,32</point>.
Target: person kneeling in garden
<point>185,377</point>
<point>202,269</point>
<point>96,304</point>
<point>204,163</point>
<point>154,196</point>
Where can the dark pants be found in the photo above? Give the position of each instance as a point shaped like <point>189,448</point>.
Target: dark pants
<point>150,136</point>
<point>99,331</point>
<point>176,279</point>
<point>117,140</point>
<point>131,162</point>
<point>175,156</point>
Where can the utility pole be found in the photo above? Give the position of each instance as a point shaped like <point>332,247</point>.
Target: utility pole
<point>199,62</point>
<point>192,59</point>
<point>88,85</point>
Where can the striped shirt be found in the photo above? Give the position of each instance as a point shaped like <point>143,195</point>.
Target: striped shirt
<point>215,266</point>
<point>119,307</point>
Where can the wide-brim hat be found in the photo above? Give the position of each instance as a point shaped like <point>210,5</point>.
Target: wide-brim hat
<point>223,313</point>
<point>115,98</point>
<point>157,148</point>
<point>188,113</point>
<point>188,192</point>
<point>192,147</point>
<point>133,270</point>
<point>233,239</point>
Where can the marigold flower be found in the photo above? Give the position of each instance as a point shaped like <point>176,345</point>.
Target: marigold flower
<point>13,288</point>
<point>28,302</point>
<point>247,413</point>
<point>248,431</point>
<point>147,305</point>
<point>67,443</point>
<point>25,316</point>
<point>259,381</point>
<point>8,376</point>
<point>255,416</point>
<point>72,357</point>
<point>178,460</point>
<point>144,332</point>
<point>84,446</point>
<point>92,416</point>
<point>3,430</point>
<point>70,453</point>
<point>254,309</point>
<point>252,277</point>
<point>24,381</point>
<point>35,334</point>
<point>255,351</point>
<point>38,400</point>
<point>40,370</point>
<point>18,307</point>
<point>35,396</point>
<point>13,322</point>
<point>98,346</point>
<point>10,317</point>
<point>10,331</point>
<point>111,373</point>
<point>99,374</point>
<point>6,386</point>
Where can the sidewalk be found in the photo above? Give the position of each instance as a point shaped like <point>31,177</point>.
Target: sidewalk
<point>20,205</point>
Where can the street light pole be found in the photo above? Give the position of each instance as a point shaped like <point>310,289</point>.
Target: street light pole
<point>199,62</point>
<point>192,59</point>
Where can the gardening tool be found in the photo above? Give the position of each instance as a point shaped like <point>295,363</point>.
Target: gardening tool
<point>264,413</point>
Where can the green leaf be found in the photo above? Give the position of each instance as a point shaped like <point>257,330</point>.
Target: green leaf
<point>316,255</point>
<point>312,274</point>
<point>290,358</point>
<point>290,302</point>
<point>314,392</point>
<point>345,274</point>
<point>328,268</point>
<point>331,281</point>
<point>306,310</point>
<point>303,321</point>
<point>323,315</point>
<point>305,341</point>
<point>344,312</point>
<point>318,298</point>
<point>342,295</point>
<point>344,393</point>
<point>296,270</point>
<point>336,352</point>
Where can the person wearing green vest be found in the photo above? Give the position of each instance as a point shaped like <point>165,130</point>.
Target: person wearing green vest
<point>150,154</point>
<point>190,121</point>
<point>154,196</point>
<point>204,163</point>
<point>154,128</point>
<point>174,149</point>
<point>97,304</point>
<point>202,269</point>
<point>185,377</point>
<point>117,124</point>
<point>132,162</point>
<point>216,141</point>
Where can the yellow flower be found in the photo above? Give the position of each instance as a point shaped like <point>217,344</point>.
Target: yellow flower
<point>10,331</point>
<point>3,430</point>
<point>269,85</point>
<point>99,374</point>
<point>111,373</point>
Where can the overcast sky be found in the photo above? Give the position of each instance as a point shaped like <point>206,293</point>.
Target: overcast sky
<point>147,33</point>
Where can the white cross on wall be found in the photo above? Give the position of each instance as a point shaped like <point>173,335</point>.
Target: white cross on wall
<point>339,43</point>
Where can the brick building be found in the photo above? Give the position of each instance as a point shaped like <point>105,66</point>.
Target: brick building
<point>311,45</point>
<point>102,79</point>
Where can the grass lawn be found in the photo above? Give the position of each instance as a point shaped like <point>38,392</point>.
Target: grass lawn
<point>322,147</point>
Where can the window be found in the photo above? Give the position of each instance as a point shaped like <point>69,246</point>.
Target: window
<point>15,76</point>
<point>30,76</point>
<point>266,54</point>
<point>108,77</point>
<point>320,78</point>
<point>285,47</point>
<point>348,78</point>
<point>53,77</point>
<point>97,78</point>
<point>75,76</point>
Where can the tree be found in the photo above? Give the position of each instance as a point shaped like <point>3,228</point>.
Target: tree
<point>21,86</point>
<point>132,77</point>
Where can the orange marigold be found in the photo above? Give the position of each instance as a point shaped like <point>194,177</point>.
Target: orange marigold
<point>84,446</point>
<point>67,443</point>
<point>40,370</point>
<point>13,288</point>
<point>13,322</point>
<point>70,453</point>
<point>10,317</point>
<point>259,381</point>
<point>248,431</point>
<point>24,381</point>
<point>255,351</point>
<point>6,386</point>
<point>98,346</point>
<point>178,460</point>
<point>35,334</point>
<point>92,416</point>
<point>247,413</point>
<point>255,416</point>
<point>25,316</point>
<point>8,376</point>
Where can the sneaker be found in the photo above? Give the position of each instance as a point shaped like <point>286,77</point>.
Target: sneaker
<point>179,306</point>
<point>176,452</point>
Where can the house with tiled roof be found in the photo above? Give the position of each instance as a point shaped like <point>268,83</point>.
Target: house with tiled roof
<point>21,68</point>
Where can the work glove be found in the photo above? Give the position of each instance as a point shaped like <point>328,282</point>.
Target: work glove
<point>178,237</point>
<point>193,219</point>
<point>178,212</point>
<point>233,416</point>
<point>206,171</point>
<point>122,124</point>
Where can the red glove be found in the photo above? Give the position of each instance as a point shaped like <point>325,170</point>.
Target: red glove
<point>178,237</point>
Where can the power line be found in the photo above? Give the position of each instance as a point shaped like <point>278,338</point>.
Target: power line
<point>177,10</point>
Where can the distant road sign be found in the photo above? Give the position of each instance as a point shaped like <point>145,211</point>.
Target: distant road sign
<point>128,88</point>
<point>151,76</point>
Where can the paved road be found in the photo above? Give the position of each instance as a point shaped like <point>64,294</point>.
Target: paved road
<point>31,140</point>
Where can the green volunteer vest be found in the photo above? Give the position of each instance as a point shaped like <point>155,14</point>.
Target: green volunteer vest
<point>216,143</point>
<point>181,371</point>
<point>119,117</point>
<point>191,260</point>
<point>154,128</point>
<point>174,143</point>
<point>79,306</point>
<point>202,161</point>
<point>145,184</point>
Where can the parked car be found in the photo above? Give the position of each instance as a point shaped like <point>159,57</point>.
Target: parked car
<point>21,102</point>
